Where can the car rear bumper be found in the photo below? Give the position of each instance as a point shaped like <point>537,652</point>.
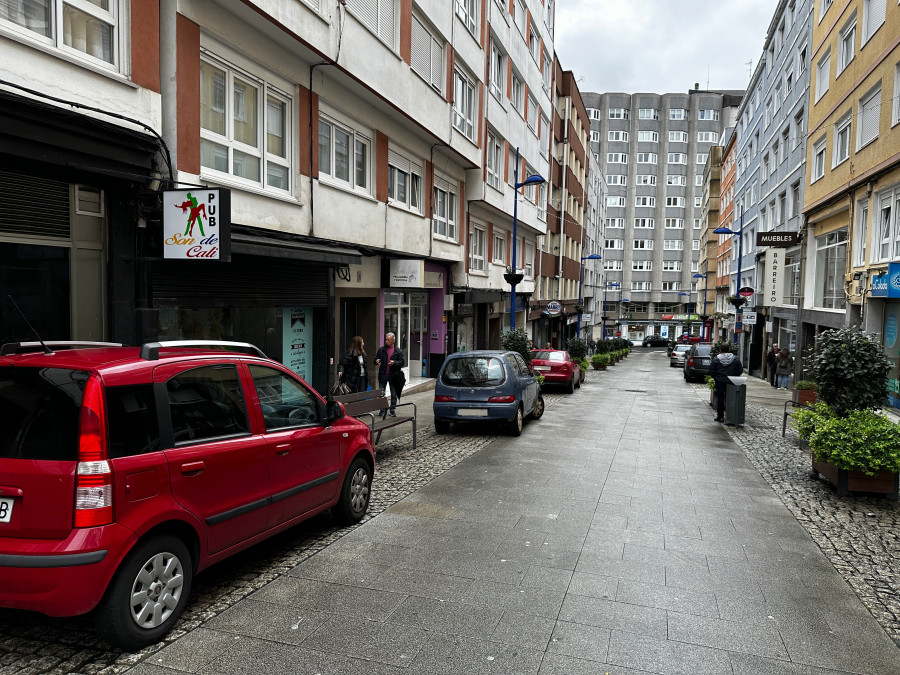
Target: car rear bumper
<point>61,577</point>
<point>556,378</point>
<point>495,412</point>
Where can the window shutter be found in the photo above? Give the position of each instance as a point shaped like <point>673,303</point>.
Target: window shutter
<point>386,20</point>
<point>437,65</point>
<point>398,161</point>
<point>874,17</point>
<point>366,11</point>
<point>421,49</point>
<point>441,184</point>
<point>869,122</point>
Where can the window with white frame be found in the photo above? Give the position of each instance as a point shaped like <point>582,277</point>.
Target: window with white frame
<point>648,114</point>
<point>698,202</point>
<point>696,223</point>
<point>593,113</point>
<point>617,244</point>
<point>768,112</point>
<point>799,127</point>
<point>494,162</point>
<point>476,248</point>
<point>465,10</point>
<point>677,158</point>
<point>404,180</point>
<point>788,80</point>
<point>841,150</point>
<point>678,137</point>
<point>613,265</point>
<point>802,60</point>
<point>541,203</point>
<point>698,180</point>
<point>778,97</point>
<point>645,244</point>
<point>89,30</point>
<point>671,266</point>
<point>708,115</point>
<point>895,102</point>
<point>673,245</point>
<point>532,114</point>
<point>695,245</point>
<point>847,43</point>
<point>823,7</point>
<point>648,137</point>
<point>881,251</point>
<point>701,157</point>
<point>379,16</point>
<point>616,158</point>
<point>674,179</point>
<point>498,70</point>
<point>823,71</point>
<point>674,223</point>
<point>443,222</point>
<point>644,223</point>
<point>641,265</point>
<point>616,179</point>
<point>873,17</point>
<point>645,201</point>
<point>546,71</point>
<point>427,56</point>
<point>783,148</point>
<point>868,113</point>
<point>647,158</point>
<point>245,127</point>
<point>889,219</point>
<point>831,265</point>
<point>615,201</point>
<point>616,223</point>
<point>595,136</point>
<point>641,286</point>
<point>529,260</point>
<point>707,136</point>
<point>677,114</point>
<point>619,114</point>
<point>520,17</point>
<point>645,179</point>
<point>498,249</point>
<point>517,92</point>
<point>859,233</point>
<point>617,136</point>
<point>764,167</point>
<point>675,201</point>
<point>463,104</point>
<point>671,286</point>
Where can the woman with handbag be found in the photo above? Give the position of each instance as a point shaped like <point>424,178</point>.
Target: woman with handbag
<point>354,368</point>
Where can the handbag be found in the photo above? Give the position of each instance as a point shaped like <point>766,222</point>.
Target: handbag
<point>340,388</point>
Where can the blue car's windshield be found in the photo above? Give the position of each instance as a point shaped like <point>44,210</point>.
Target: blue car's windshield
<point>473,371</point>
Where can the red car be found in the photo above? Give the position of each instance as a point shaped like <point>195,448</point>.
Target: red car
<point>557,367</point>
<point>124,471</point>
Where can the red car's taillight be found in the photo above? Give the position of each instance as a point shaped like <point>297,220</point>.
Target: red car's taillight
<point>443,399</point>
<point>93,478</point>
<point>501,399</point>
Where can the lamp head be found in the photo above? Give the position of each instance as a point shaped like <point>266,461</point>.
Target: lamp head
<point>723,230</point>
<point>593,256</point>
<point>533,179</point>
<point>699,276</point>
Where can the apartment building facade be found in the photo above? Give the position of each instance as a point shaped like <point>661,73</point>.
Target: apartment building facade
<point>711,203</point>
<point>652,149</point>
<point>368,152</point>
<point>851,266</point>
<point>724,315</point>
<point>769,187</point>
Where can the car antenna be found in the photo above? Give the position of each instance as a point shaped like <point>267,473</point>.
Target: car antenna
<point>47,349</point>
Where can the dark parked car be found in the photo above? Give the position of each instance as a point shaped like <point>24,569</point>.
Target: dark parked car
<point>655,341</point>
<point>126,470</point>
<point>696,361</point>
<point>486,386</point>
<point>557,367</point>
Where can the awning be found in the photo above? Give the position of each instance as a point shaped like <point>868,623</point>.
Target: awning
<point>275,244</point>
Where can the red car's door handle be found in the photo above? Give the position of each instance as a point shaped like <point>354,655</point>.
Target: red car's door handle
<point>192,468</point>
<point>282,449</point>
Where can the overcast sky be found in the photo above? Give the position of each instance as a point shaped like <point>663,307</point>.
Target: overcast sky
<point>660,46</point>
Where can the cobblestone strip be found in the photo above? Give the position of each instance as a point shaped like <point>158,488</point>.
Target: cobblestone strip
<point>37,645</point>
<point>860,535</point>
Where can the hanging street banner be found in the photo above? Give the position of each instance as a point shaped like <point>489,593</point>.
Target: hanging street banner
<point>197,224</point>
<point>773,283</point>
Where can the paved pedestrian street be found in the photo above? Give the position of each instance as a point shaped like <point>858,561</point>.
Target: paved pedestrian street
<point>625,532</point>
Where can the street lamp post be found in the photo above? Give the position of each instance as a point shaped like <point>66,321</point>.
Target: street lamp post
<point>739,309</point>
<point>592,256</point>
<point>533,179</point>
<point>703,325</point>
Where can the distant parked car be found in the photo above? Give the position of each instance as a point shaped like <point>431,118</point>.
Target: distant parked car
<point>557,367</point>
<point>689,339</point>
<point>676,356</point>
<point>655,341</point>
<point>486,386</point>
<point>696,361</point>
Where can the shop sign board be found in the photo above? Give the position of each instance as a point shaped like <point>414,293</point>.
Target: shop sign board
<point>554,308</point>
<point>750,318</point>
<point>887,285</point>
<point>780,239</point>
<point>196,224</point>
<point>773,285</point>
<point>297,332</point>
<point>404,273</point>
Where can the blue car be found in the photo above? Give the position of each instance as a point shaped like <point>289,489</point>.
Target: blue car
<point>486,386</point>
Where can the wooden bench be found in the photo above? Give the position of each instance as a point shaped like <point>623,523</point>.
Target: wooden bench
<point>375,406</point>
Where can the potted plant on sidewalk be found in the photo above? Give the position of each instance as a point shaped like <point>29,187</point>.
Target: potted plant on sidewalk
<point>600,361</point>
<point>805,392</point>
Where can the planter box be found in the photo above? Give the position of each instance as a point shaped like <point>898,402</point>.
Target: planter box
<point>848,483</point>
<point>804,396</point>
<point>712,398</point>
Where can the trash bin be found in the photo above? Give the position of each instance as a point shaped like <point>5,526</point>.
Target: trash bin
<point>735,400</point>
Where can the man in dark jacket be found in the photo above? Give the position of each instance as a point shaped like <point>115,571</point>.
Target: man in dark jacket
<point>390,361</point>
<point>771,358</point>
<point>724,365</point>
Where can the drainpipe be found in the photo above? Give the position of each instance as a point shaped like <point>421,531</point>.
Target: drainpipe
<point>168,80</point>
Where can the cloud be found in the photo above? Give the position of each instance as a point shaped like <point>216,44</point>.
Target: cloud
<point>660,45</point>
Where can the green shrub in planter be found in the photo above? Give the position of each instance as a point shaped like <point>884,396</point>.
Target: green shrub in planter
<point>710,382</point>
<point>807,421</point>
<point>583,363</point>
<point>601,360</point>
<point>517,341</point>
<point>540,379</point>
<point>862,441</point>
<point>578,348</point>
<point>720,346</point>
<point>806,385</point>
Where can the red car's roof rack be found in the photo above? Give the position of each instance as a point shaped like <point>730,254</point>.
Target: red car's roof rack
<point>150,350</point>
<point>28,347</point>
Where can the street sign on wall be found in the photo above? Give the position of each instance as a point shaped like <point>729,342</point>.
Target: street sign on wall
<point>750,318</point>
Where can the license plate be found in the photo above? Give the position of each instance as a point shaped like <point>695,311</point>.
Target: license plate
<point>6,507</point>
<point>472,412</point>
<point>704,362</point>
<point>542,367</point>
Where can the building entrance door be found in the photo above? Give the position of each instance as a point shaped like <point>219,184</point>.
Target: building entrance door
<point>396,321</point>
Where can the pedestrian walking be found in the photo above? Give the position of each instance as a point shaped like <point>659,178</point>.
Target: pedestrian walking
<point>723,366</point>
<point>784,366</point>
<point>353,368</point>
<point>389,359</point>
<point>771,357</point>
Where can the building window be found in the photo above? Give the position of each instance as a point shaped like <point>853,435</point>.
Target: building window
<point>532,113</point>
<point>818,168</point>
<point>444,219</point>
<point>847,44</point>
<point>613,265</point>
<point>617,223</point>
<point>546,72</point>
<point>498,71</point>
<point>708,115</point>
<point>677,114</point>
<point>673,245</point>
<point>873,17</point>
<point>895,102</point>
<point>648,114</point>
<point>498,252</point>
<point>648,137</point>
<point>841,150</point>
<point>641,266</point>
<point>379,16</point>
<point>823,70</point>
<point>698,202</point>
<point>465,10</point>
<point>517,93</point>
<point>696,223</point>
<point>463,105</point>
<point>888,226</point>
<point>673,179</point>
<point>534,44</point>
<point>799,127</point>
<point>644,223</point>
<point>529,260</point>
<point>647,158</point>
<point>427,58</point>
<point>707,136</point>
<point>615,201</point>
<point>616,158</point>
<point>678,137</point>
<point>619,114</point>
<point>641,286</point>
<point>868,112</point>
<point>645,201</point>
<point>616,179</point>
<point>83,28</point>
<point>671,266</point>
<point>244,129</point>
<point>831,264</point>
<point>675,223</point>
<point>671,286</point>
<point>859,233</point>
<point>404,181</point>
<point>677,158</point>
<point>595,137</point>
<point>645,244</point>
<point>618,136</point>
<point>614,244</point>
<point>698,180</point>
<point>675,201</point>
<point>476,249</point>
<point>701,157</point>
<point>494,161</point>
<point>645,179</point>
